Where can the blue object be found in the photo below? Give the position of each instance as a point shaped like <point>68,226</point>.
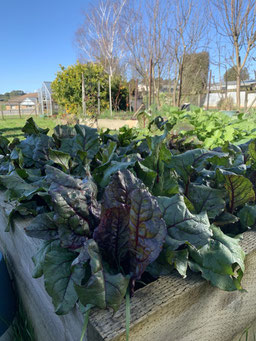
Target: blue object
<point>7,298</point>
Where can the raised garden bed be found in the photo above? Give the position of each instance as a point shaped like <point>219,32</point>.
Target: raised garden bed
<point>170,308</point>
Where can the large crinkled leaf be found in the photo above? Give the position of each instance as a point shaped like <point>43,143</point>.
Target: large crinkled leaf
<point>153,171</point>
<point>63,131</point>
<point>112,234</point>
<point>103,174</point>
<point>60,158</point>
<point>221,261</point>
<point>31,128</point>
<point>130,202</point>
<point>4,142</point>
<point>247,216</point>
<point>39,257</point>
<point>35,150</point>
<point>119,189</point>
<point>193,160</point>
<point>147,231</point>
<point>179,260</point>
<point>205,198</point>
<point>43,227</point>
<point>59,278</point>
<point>182,226</point>
<point>240,189</point>
<point>18,187</point>
<point>76,208</point>
<point>252,150</point>
<point>101,288</point>
<point>88,139</point>
<point>225,218</point>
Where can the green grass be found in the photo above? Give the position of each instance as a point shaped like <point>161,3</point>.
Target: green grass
<point>116,115</point>
<point>11,127</point>
<point>21,327</point>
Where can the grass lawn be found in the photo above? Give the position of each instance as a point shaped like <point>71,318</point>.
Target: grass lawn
<point>11,127</point>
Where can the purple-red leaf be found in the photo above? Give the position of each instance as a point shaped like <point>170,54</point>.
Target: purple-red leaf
<point>131,230</point>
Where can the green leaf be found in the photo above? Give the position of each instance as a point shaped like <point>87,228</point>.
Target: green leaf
<point>60,158</point>
<point>182,226</point>
<point>225,218</point>
<point>4,142</point>
<point>252,150</point>
<point>59,278</point>
<point>31,128</point>
<point>103,175</point>
<point>17,187</point>
<point>101,289</point>
<point>179,259</point>
<point>35,150</point>
<point>43,227</point>
<point>88,139</point>
<point>247,216</point>
<point>217,261</point>
<point>192,161</point>
<point>39,257</point>
<point>207,199</point>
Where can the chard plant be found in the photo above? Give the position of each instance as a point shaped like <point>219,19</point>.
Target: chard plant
<point>113,209</point>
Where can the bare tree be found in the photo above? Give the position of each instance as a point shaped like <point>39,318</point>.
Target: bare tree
<point>235,21</point>
<point>147,39</point>
<point>99,37</point>
<point>187,37</point>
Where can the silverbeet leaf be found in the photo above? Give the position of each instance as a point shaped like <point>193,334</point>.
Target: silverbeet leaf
<point>43,227</point>
<point>35,150</point>
<point>247,215</point>
<point>112,234</point>
<point>183,226</point>
<point>76,209</point>
<point>193,161</point>
<point>101,289</point>
<point>131,219</point>
<point>207,199</point>
<point>31,128</point>
<point>221,261</point>
<point>147,231</point>
<point>118,191</point>
<point>60,158</point>
<point>240,189</point>
<point>39,257</point>
<point>59,278</point>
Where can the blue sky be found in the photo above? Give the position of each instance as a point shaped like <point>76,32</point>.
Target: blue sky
<point>36,36</point>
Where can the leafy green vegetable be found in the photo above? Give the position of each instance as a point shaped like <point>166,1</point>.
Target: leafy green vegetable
<point>59,278</point>
<point>182,226</point>
<point>217,261</point>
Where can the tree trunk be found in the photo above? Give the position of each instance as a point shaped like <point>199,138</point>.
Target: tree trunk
<point>180,87</point>
<point>238,81</point>
<point>110,92</point>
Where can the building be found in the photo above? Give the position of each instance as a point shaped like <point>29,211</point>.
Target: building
<point>220,91</point>
<point>46,102</point>
<point>27,101</point>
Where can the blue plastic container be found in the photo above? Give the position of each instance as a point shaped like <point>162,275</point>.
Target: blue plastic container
<point>7,298</point>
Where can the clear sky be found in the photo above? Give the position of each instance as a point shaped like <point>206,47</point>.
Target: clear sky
<point>35,37</point>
